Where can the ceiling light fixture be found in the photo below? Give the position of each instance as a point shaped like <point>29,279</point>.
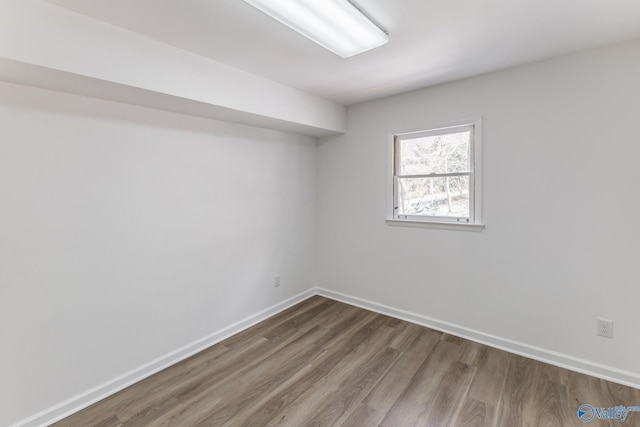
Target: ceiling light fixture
<point>337,25</point>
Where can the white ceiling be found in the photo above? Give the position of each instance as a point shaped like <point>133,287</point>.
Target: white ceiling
<point>431,41</point>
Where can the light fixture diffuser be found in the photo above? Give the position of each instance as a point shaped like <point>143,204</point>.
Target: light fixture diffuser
<point>336,25</point>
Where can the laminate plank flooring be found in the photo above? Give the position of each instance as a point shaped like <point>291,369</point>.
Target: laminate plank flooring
<point>325,363</point>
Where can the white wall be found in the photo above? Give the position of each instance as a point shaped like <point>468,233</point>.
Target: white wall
<point>561,203</point>
<point>126,233</point>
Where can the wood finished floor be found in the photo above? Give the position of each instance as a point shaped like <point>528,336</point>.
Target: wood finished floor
<point>324,363</point>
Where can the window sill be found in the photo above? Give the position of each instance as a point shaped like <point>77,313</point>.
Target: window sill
<point>436,225</point>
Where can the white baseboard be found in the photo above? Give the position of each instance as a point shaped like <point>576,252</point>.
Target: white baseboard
<point>81,401</point>
<point>608,373</point>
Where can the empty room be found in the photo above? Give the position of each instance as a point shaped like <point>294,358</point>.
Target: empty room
<point>319,213</point>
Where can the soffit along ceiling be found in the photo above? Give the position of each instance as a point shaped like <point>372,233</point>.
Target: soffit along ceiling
<point>431,41</point>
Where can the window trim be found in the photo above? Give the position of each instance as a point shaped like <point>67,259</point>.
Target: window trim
<point>475,196</point>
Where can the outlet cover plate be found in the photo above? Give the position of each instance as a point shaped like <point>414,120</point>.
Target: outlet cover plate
<point>605,328</point>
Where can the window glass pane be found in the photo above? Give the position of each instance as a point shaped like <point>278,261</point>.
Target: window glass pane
<point>434,154</point>
<point>442,196</point>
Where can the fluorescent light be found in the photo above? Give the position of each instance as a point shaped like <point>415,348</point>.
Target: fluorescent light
<point>336,25</point>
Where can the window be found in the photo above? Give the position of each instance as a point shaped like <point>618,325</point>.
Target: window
<point>436,175</point>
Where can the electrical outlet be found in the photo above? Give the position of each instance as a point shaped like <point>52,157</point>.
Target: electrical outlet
<point>605,328</point>
<point>276,281</point>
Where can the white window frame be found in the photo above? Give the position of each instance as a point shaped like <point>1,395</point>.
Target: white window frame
<point>475,178</point>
